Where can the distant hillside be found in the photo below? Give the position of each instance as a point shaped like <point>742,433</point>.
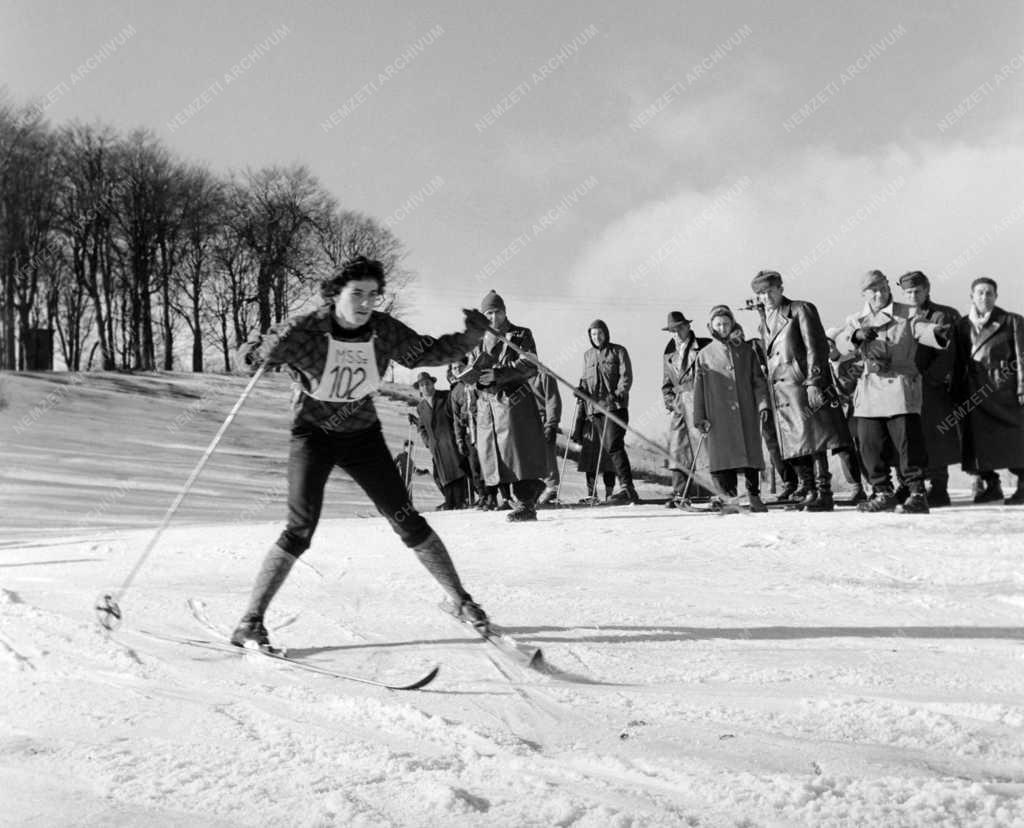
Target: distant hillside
<point>90,451</point>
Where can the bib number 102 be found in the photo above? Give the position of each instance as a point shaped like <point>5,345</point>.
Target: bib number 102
<point>345,381</point>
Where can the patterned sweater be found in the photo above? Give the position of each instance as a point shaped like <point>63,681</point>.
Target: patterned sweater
<point>301,345</point>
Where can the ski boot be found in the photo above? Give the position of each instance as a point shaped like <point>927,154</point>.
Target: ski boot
<point>252,632</point>
<point>469,612</point>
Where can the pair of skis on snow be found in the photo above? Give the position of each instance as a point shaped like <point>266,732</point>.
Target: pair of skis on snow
<point>519,653</point>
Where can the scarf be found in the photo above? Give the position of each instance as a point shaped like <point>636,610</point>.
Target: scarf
<point>977,320</point>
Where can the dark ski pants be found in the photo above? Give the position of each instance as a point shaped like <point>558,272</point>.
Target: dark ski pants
<point>882,437</point>
<point>727,479</point>
<point>613,444</point>
<point>363,455</point>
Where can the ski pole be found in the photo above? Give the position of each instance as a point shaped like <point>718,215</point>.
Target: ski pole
<point>660,448</point>
<point>108,611</point>
<point>600,449</point>
<point>693,466</point>
<point>565,457</point>
<point>408,462</point>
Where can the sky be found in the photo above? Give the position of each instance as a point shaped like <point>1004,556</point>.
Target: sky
<point>589,160</point>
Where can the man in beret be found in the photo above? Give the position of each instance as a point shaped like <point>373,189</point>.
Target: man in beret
<point>509,435</point>
<point>887,398</point>
<point>800,388</point>
<point>678,372</point>
<point>436,426</point>
<point>941,438</point>
<point>989,344</point>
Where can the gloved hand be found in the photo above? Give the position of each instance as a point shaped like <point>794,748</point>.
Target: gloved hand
<point>248,358</point>
<point>815,399</point>
<point>550,432</point>
<point>704,426</point>
<point>476,324</point>
<point>862,335</point>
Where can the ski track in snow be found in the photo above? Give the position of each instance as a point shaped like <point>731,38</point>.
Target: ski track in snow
<point>797,674</point>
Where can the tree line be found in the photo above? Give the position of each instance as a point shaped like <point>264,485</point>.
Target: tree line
<point>129,253</point>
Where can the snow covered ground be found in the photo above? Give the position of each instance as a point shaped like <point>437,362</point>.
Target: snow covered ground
<point>780,669</point>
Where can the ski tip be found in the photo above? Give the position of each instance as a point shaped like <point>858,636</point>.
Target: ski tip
<point>420,683</point>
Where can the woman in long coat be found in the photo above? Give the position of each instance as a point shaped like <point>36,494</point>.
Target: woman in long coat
<point>510,438</point>
<point>729,397</point>
<point>990,359</point>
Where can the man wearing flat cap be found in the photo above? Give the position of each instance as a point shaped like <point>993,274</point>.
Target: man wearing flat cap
<point>509,435</point>
<point>678,373</point>
<point>800,388</point>
<point>437,430</point>
<point>888,396</point>
<point>941,434</point>
<point>989,344</point>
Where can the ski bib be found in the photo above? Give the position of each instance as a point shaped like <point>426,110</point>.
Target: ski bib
<point>350,372</point>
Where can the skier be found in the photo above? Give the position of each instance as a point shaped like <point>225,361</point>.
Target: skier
<point>336,356</point>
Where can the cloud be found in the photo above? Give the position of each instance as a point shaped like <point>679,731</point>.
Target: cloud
<point>821,218</point>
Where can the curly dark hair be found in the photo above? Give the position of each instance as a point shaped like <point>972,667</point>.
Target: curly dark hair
<point>358,268</point>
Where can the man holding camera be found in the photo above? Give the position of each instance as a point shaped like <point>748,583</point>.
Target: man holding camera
<point>888,397</point>
<point>938,421</point>
<point>800,388</point>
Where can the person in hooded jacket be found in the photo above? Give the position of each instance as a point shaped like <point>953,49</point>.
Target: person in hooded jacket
<point>730,398</point>
<point>607,378</point>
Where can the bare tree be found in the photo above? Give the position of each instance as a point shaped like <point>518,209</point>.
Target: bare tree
<point>87,172</point>
<point>350,234</point>
<point>276,212</point>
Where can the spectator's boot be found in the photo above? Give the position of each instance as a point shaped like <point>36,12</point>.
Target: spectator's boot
<point>938,494</point>
<point>522,512</point>
<point>901,494</point>
<point>1017,498</point>
<point>790,492</point>
<point>993,491</point>
<point>806,493</point>
<point>754,502</point>
<point>823,501</point>
<point>882,500</point>
<point>858,495</point>
<point>915,504</point>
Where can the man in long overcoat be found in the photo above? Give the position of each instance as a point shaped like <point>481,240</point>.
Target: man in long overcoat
<point>989,344</point>
<point>887,399</point>
<point>800,387</point>
<point>942,442</point>
<point>509,435</point>
<point>677,376</point>
<point>436,427</point>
